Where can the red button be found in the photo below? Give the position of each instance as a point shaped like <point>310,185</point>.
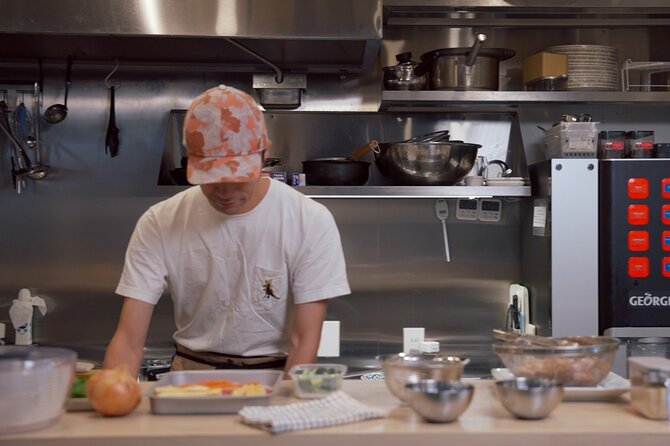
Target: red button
<point>665,214</point>
<point>638,214</point>
<point>638,240</point>
<point>666,266</point>
<point>665,240</point>
<point>638,267</point>
<point>665,187</point>
<point>638,188</point>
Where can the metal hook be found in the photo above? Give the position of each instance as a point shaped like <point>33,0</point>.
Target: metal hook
<point>116,67</point>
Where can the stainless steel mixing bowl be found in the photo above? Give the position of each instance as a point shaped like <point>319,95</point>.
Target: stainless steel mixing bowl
<point>425,163</point>
<point>530,398</point>
<point>440,401</point>
<point>402,369</point>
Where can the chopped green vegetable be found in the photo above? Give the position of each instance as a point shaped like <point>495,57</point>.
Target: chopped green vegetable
<point>79,386</point>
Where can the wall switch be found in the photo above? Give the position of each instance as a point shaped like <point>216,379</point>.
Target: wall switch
<point>329,346</point>
<point>412,337</point>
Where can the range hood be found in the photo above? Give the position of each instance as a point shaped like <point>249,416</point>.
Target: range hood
<point>297,35</point>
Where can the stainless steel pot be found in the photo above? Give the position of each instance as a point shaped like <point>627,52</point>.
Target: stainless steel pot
<point>402,75</point>
<point>473,68</point>
<point>425,163</point>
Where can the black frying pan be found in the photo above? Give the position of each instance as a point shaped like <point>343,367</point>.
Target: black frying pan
<point>339,171</point>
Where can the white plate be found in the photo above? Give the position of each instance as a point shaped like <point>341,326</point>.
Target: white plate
<point>611,387</point>
<point>83,366</point>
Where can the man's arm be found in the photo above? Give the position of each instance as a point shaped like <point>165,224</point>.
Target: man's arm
<point>306,333</point>
<point>127,344</point>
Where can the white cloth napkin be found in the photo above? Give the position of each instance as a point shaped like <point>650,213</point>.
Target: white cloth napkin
<point>336,408</point>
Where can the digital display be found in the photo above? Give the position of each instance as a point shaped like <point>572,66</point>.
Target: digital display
<point>468,204</point>
<point>490,205</point>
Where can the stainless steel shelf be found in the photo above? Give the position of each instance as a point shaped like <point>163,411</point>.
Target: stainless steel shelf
<point>528,14</point>
<point>414,191</point>
<point>497,100</point>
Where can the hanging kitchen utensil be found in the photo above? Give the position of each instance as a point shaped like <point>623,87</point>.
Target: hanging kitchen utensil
<point>19,159</point>
<point>23,159</point>
<point>442,211</point>
<point>57,112</point>
<point>112,136</point>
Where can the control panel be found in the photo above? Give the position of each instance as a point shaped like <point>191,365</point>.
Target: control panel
<point>634,283</point>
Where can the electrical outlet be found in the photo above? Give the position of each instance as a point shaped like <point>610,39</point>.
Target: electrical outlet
<point>412,337</point>
<point>329,346</point>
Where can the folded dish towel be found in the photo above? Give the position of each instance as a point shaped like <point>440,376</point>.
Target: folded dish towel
<point>337,408</point>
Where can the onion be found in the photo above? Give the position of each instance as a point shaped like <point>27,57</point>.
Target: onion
<point>113,392</point>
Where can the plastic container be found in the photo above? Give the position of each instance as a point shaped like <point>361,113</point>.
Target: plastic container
<point>316,380</point>
<point>35,386</point>
<point>612,144</point>
<point>585,364</point>
<point>572,140</point>
<point>640,143</point>
<point>650,386</point>
<point>649,347</point>
<point>662,150</point>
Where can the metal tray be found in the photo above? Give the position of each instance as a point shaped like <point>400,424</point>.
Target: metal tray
<point>212,404</point>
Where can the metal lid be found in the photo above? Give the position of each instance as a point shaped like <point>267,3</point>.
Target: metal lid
<point>31,358</point>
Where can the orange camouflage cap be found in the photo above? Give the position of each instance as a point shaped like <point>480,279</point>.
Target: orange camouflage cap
<point>225,135</point>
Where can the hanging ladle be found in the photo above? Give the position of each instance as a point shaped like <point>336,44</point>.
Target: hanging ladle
<point>57,112</point>
<point>112,135</point>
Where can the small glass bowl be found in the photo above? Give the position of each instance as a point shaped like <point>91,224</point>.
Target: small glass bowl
<point>316,380</point>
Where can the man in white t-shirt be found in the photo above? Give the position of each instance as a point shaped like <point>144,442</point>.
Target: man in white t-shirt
<point>249,262</point>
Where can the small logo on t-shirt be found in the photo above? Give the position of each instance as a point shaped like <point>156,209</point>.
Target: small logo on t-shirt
<point>269,290</point>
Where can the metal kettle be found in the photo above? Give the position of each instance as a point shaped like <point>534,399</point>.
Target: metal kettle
<point>402,76</point>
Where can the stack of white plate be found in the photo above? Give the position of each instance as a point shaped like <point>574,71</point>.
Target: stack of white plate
<point>590,67</point>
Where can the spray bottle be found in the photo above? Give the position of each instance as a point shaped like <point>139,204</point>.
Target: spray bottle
<point>21,315</point>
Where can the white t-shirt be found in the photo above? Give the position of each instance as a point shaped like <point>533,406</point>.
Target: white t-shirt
<point>235,278</point>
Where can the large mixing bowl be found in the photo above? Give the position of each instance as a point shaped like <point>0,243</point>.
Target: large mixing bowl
<point>584,364</point>
<point>403,369</point>
<point>35,386</point>
<point>425,163</point>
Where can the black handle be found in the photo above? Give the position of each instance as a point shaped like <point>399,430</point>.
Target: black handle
<point>112,136</point>
<point>426,62</point>
<point>474,51</point>
<point>68,82</point>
